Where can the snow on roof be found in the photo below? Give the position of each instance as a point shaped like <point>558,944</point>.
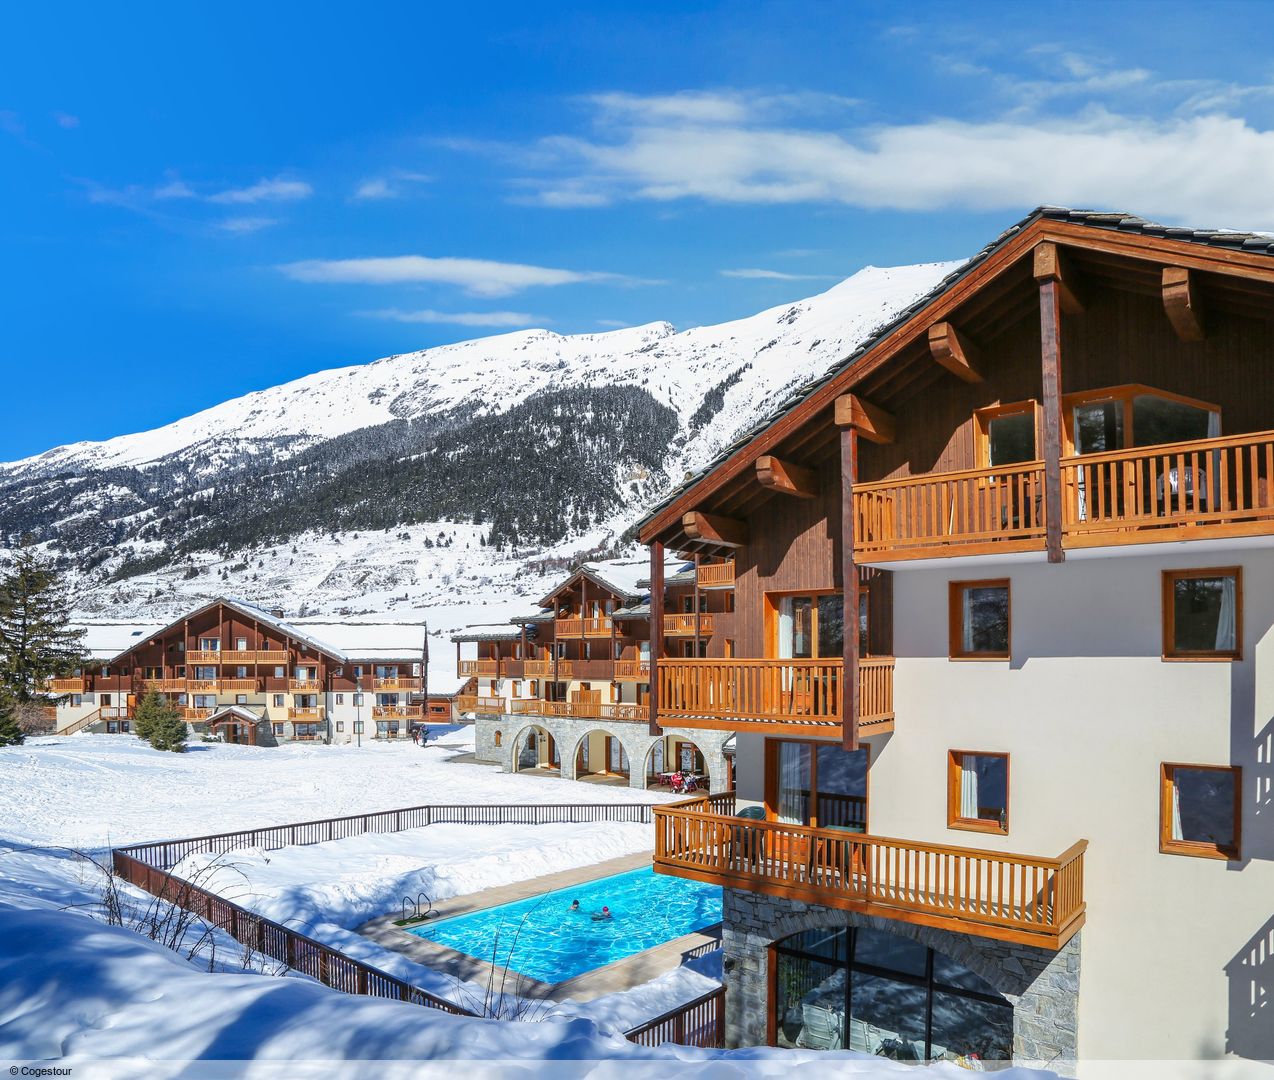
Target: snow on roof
<point>290,629</point>
<point>370,641</point>
<point>491,632</point>
<point>105,641</point>
<point>629,578</point>
<point>446,686</point>
<point>239,712</point>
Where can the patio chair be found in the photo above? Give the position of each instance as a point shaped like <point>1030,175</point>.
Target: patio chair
<point>821,1029</point>
<point>739,833</point>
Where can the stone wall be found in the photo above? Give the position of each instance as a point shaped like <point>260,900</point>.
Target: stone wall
<point>568,731</point>
<point>1043,986</point>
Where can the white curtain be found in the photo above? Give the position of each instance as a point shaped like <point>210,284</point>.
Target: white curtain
<point>969,786</point>
<point>1225,617</point>
<point>793,781</point>
<point>966,619</point>
<point>1176,813</point>
<point>786,628</point>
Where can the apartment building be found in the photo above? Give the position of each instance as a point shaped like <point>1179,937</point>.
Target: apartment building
<point>245,675</point>
<point>1000,667</point>
<point>564,690</point>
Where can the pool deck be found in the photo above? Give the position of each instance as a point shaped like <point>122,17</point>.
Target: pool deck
<point>621,975</point>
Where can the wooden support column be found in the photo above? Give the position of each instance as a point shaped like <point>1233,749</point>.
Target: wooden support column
<point>1051,436</point>
<point>1182,303</point>
<point>656,628</point>
<point>849,588</point>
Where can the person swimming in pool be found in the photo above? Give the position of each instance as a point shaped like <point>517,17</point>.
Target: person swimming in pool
<point>603,915</point>
<point>574,905</point>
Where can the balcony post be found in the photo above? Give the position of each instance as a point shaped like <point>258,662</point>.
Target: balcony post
<point>696,603</point>
<point>849,588</point>
<point>656,628</point>
<point>1054,294</point>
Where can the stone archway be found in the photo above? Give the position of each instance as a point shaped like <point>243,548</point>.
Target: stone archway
<point>531,748</point>
<point>631,756</point>
<point>1041,985</point>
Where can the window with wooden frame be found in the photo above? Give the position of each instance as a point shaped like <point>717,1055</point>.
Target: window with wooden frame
<point>979,620</point>
<point>805,626</point>
<point>1203,614</point>
<point>1118,417</point>
<point>978,791</point>
<point>1006,434</point>
<point>818,784</point>
<point>1200,810</point>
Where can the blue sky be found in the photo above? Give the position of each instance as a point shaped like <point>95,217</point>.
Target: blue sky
<point>201,200</point>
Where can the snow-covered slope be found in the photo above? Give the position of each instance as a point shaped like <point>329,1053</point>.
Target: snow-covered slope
<point>90,503</point>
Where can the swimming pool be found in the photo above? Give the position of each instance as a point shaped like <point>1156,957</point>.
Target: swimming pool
<point>553,943</point>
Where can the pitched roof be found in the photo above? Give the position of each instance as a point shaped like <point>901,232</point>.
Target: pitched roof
<point>1112,221</point>
<point>492,632</point>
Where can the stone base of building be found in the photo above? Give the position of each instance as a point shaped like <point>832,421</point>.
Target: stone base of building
<point>1042,986</point>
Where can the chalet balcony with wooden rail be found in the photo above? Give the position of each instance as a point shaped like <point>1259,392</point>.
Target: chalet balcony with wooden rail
<point>685,625</point>
<point>1203,489</point>
<point>482,669</point>
<point>485,706</point>
<point>546,667</point>
<point>397,712</point>
<point>622,712</point>
<point>73,685</point>
<point>599,626</point>
<point>632,670</point>
<point>165,686</point>
<point>718,575</point>
<point>304,686</point>
<point>392,683</point>
<point>1024,899</point>
<point>775,696</point>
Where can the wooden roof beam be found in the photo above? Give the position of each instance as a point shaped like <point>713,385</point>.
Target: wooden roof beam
<point>955,352</point>
<point>782,476</point>
<point>715,529</point>
<point>1182,302</point>
<point>870,421</point>
<point>1051,265</point>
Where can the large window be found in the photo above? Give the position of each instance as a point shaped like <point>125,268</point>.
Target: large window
<point>873,992</point>
<point>809,627</point>
<point>1006,434</point>
<point>816,784</point>
<point>1125,416</point>
<point>978,791</point>
<point>1199,810</point>
<point>979,620</point>
<point>1202,614</point>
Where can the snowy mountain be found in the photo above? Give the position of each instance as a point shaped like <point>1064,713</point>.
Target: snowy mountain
<point>470,470</point>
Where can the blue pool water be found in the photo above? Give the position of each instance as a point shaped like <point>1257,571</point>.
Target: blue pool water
<point>541,938</point>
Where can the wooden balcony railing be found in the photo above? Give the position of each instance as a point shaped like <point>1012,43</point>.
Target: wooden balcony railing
<point>632,670</point>
<point>243,656</point>
<point>304,712</point>
<point>685,624</point>
<point>304,686</point>
<point>622,712</point>
<point>776,696</point>
<point>400,712</point>
<point>203,686</point>
<point>594,627</point>
<point>716,575</point>
<point>1000,509</point>
<point>1207,488</point>
<point>196,714</point>
<point>66,686</point>
<point>1016,898</point>
<point>88,720</point>
<point>164,686</point>
<point>396,682</point>
<point>543,669</point>
<point>240,686</point>
<point>472,703</point>
<point>486,669</point>
<point>203,656</point>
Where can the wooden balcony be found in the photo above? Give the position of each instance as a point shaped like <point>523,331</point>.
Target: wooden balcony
<point>305,712</point>
<point>483,669</point>
<point>203,686</point>
<point>164,686</point>
<point>197,714</point>
<point>203,656</point>
<point>593,669</point>
<point>65,686</point>
<point>544,669</point>
<point>1022,899</point>
<point>304,686</point>
<point>597,627</point>
<point>775,696</point>
<point>683,625</point>
<point>250,656</point>
<point>393,683</point>
<point>582,710</point>
<point>1205,489</point>
<point>484,706</point>
<point>632,670</point>
<point>240,686</point>
<point>716,575</point>
<point>973,512</point>
<point>397,712</point>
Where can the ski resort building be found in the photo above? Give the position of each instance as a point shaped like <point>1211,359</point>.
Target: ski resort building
<point>565,690</point>
<point>245,675</point>
<point>1001,665</point>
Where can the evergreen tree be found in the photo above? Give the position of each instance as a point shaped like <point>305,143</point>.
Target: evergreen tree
<point>37,641</point>
<point>10,731</point>
<point>159,723</point>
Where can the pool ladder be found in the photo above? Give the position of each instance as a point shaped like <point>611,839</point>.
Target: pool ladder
<point>420,908</point>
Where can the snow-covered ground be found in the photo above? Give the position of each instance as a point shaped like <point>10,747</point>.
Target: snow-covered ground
<point>73,990</point>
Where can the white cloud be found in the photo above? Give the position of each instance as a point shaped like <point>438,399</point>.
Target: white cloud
<point>277,189</point>
<point>770,275</point>
<point>391,186</point>
<point>459,318</point>
<point>174,189</point>
<point>66,120</point>
<point>374,189</point>
<point>478,277</point>
<point>241,225</point>
<point>1207,169</point>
